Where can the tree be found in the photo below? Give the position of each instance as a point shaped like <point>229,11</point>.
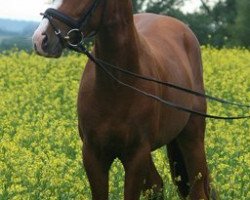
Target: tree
<point>157,6</point>
<point>212,23</point>
<point>223,14</point>
<point>137,5</point>
<point>241,29</point>
<point>163,6</point>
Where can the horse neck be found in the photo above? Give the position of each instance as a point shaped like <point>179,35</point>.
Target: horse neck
<point>116,42</point>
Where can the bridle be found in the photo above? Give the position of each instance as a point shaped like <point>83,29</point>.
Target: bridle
<point>78,46</point>
<point>74,36</point>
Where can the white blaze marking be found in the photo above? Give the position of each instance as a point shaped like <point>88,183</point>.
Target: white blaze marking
<point>57,4</point>
<point>38,36</point>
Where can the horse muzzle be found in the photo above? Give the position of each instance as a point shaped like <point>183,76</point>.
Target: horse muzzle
<point>45,42</point>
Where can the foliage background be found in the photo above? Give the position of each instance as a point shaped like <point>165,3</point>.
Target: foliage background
<point>40,151</point>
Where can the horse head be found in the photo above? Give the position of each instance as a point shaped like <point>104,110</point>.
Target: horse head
<point>66,24</point>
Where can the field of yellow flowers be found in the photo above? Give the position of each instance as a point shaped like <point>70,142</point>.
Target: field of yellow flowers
<point>40,151</point>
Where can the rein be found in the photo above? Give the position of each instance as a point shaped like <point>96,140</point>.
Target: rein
<point>78,46</point>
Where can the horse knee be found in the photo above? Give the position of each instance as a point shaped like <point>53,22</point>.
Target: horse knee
<point>97,173</point>
<point>153,179</point>
<point>137,168</point>
<point>153,184</point>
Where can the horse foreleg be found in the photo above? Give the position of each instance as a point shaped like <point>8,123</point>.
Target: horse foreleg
<point>136,166</point>
<point>153,183</point>
<point>97,169</point>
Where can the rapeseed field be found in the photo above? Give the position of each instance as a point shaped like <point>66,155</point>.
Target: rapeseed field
<point>40,150</point>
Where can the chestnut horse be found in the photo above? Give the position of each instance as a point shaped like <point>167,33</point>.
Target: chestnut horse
<point>116,122</point>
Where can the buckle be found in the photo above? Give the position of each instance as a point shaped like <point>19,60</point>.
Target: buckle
<point>74,37</point>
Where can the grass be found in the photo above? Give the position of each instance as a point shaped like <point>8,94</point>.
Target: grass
<point>40,150</point>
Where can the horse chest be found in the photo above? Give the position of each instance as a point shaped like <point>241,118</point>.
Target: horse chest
<point>114,127</point>
<point>113,135</point>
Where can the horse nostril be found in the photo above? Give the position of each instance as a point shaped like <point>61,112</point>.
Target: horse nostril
<point>35,47</point>
<point>45,42</point>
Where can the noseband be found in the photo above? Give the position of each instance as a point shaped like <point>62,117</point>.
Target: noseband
<point>75,35</point>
